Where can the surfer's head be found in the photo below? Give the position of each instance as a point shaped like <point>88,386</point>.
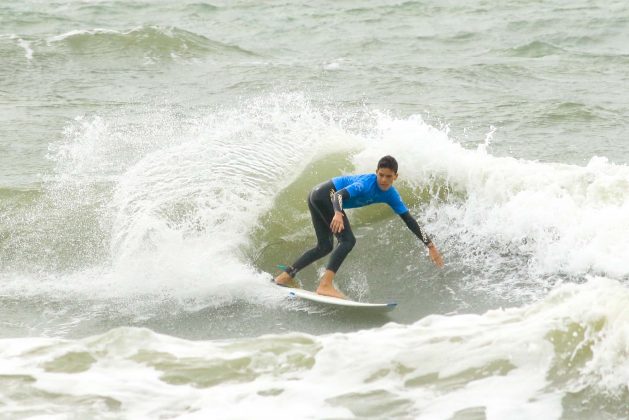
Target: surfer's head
<point>386,172</point>
<point>388,162</point>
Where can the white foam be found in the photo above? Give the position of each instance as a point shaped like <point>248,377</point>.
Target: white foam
<point>332,66</point>
<point>28,51</point>
<point>567,218</point>
<point>184,194</point>
<point>513,363</point>
<point>26,45</point>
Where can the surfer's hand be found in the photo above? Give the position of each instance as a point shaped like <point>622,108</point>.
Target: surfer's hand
<point>337,223</point>
<point>435,256</point>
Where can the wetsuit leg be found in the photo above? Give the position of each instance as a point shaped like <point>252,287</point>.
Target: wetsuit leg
<point>346,240</point>
<point>321,211</point>
<point>322,230</point>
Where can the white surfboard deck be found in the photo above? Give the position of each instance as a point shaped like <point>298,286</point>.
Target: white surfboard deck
<point>337,302</point>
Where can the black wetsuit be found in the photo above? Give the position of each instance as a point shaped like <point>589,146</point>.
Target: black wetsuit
<point>322,201</point>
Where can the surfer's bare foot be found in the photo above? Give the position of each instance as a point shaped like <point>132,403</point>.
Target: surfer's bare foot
<point>285,280</point>
<point>326,285</point>
<point>326,290</point>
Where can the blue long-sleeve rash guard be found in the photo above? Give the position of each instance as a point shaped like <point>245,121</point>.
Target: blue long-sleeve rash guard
<point>362,190</point>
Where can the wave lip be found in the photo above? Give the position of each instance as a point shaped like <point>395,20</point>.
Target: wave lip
<point>152,41</point>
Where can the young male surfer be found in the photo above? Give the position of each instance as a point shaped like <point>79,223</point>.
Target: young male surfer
<point>327,202</point>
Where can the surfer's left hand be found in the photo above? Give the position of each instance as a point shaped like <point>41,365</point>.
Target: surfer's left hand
<point>435,256</point>
<point>337,224</point>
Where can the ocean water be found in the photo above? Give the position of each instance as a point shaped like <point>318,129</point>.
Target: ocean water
<point>155,158</point>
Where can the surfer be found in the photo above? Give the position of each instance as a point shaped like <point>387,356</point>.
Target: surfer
<point>327,202</point>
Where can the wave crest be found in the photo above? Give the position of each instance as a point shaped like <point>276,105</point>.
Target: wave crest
<point>152,41</point>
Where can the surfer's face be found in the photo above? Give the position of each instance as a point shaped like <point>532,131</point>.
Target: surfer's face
<point>385,177</point>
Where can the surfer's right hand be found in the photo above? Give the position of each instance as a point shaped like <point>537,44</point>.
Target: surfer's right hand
<point>435,256</point>
<point>337,224</point>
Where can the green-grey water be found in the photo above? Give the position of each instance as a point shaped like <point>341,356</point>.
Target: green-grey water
<point>155,158</point>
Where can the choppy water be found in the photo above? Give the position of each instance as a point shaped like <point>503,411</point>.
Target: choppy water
<point>154,163</point>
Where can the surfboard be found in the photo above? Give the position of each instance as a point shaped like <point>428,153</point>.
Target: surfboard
<point>307,295</point>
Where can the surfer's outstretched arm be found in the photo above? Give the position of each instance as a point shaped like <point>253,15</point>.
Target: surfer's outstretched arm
<point>412,224</point>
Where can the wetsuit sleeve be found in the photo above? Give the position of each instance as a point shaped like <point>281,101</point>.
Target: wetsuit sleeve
<point>351,190</point>
<point>337,199</point>
<point>414,227</point>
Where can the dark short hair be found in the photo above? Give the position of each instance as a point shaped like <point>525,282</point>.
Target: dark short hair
<point>387,162</point>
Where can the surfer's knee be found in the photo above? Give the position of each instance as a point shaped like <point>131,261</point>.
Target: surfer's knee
<point>348,241</point>
<point>325,247</point>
